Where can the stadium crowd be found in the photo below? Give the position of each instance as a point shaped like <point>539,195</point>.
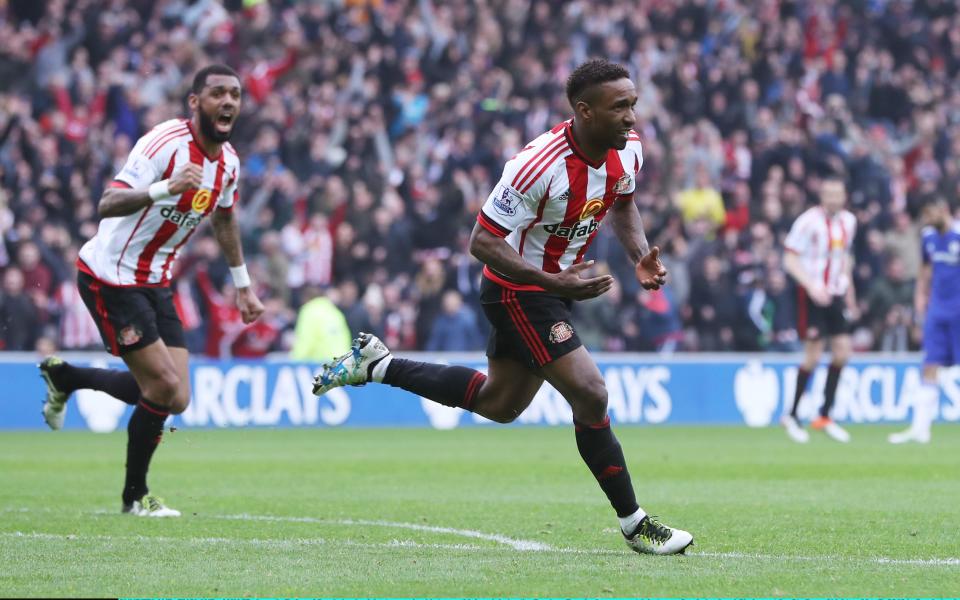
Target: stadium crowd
<point>372,131</point>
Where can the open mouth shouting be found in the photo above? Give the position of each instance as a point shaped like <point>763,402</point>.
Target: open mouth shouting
<point>224,121</point>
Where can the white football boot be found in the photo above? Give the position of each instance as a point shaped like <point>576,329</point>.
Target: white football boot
<point>795,431</point>
<point>366,362</point>
<point>55,404</point>
<point>830,427</point>
<point>923,415</point>
<point>150,506</point>
<point>910,435</point>
<point>653,537</point>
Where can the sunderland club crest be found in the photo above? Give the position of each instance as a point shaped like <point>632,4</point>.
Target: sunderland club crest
<point>129,335</point>
<point>561,332</point>
<point>623,185</point>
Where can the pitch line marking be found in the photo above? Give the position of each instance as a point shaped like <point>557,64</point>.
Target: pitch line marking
<point>516,544</point>
<point>293,543</point>
<point>274,543</point>
<point>522,545</point>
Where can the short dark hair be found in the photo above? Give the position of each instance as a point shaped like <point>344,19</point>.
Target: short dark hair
<point>591,73</point>
<point>200,79</point>
<point>834,174</point>
<point>935,200</point>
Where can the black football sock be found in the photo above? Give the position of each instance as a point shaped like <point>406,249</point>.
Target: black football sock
<point>450,385</point>
<point>119,384</point>
<point>803,376</point>
<point>601,451</point>
<point>144,433</point>
<point>830,390</point>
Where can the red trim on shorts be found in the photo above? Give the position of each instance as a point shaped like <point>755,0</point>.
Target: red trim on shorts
<point>529,335</point>
<point>506,283</point>
<point>123,185</point>
<point>526,329</point>
<point>473,389</point>
<point>524,332</point>
<point>108,331</point>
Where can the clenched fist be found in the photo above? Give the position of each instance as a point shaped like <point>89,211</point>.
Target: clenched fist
<point>186,178</point>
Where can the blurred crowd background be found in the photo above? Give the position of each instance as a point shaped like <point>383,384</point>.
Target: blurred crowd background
<point>372,131</point>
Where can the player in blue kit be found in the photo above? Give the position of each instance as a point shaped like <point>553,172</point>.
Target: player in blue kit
<point>937,300</point>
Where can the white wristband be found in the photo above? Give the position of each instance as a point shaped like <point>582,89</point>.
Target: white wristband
<point>159,190</point>
<point>241,278</point>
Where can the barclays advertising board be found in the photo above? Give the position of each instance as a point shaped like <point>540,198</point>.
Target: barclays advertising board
<point>642,389</point>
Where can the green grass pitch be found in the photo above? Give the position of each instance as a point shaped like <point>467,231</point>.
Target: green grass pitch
<point>488,512</point>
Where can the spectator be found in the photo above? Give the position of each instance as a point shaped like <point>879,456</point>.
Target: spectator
<point>702,202</point>
<point>77,331</point>
<point>714,307</point>
<point>892,290</point>
<point>598,320</point>
<point>455,329</point>
<point>321,329</point>
<point>385,133</point>
<point>19,317</point>
<point>903,242</point>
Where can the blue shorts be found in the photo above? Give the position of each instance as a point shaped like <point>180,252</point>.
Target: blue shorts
<point>941,340</point>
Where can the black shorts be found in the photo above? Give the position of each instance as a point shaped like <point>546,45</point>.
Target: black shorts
<point>815,322</point>
<point>130,318</point>
<point>531,327</point>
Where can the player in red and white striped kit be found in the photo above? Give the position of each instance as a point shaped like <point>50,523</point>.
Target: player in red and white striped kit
<point>818,257</point>
<point>532,234</point>
<point>176,175</point>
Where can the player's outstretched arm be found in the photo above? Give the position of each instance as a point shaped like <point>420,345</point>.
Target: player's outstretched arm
<point>120,202</point>
<point>227,231</point>
<point>496,253</point>
<point>628,226</point>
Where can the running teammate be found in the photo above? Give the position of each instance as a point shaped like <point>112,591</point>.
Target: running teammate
<point>177,174</point>
<point>818,258</point>
<point>937,302</point>
<point>532,234</point>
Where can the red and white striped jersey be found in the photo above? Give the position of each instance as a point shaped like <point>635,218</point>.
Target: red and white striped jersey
<point>823,243</point>
<point>140,249</point>
<point>551,200</point>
